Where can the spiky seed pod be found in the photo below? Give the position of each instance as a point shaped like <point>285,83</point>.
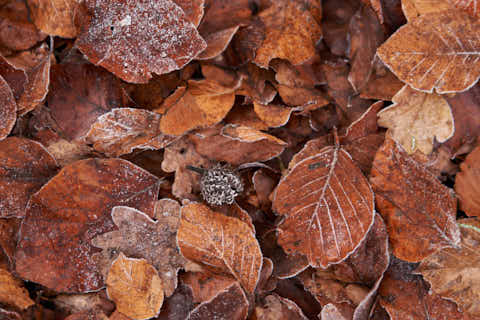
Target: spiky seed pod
<point>220,185</point>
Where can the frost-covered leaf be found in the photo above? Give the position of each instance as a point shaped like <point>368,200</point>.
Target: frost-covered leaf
<point>223,243</point>
<point>471,6</point>
<point>328,207</point>
<point>8,109</point>
<point>438,51</point>
<point>415,8</point>
<point>132,39</point>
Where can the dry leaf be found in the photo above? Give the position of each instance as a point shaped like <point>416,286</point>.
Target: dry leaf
<point>331,312</point>
<point>203,104</point>
<point>471,6</point>
<point>415,8</point>
<point>138,236</point>
<point>230,303</point>
<point>455,273</point>
<point>223,243</point>
<point>328,207</point>
<point>275,307</point>
<point>292,31</point>
<point>54,17</point>
<point>132,39</point>
<point>436,51</point>
<point>416,118</point>
<point>419,211</point>
<point>122,130</point>
<point>178,306</point>
<point>193,9</point>
<point>25,165</point>
<point>12,293</point>
<point>217,42</point>
<point>467,184</point>
<point>135,287</point>
<point>273,115</point>
<point>8,109</point>
<point>68,212</point>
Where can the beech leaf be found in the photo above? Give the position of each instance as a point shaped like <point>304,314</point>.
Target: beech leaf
<point>328,207</point>
<point>8,109</point>
<point>54,17</point>
<point>467,184</point>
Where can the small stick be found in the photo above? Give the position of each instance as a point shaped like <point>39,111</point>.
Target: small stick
<point>335,137</point>
<point>195,169</point>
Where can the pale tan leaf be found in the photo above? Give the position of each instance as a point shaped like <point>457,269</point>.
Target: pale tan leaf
<point>416,118</point>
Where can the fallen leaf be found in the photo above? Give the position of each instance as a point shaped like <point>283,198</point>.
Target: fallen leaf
<point>25,166</point>
<point>275,307</point>
<point>237,144</point>
<point>71,209</point>
<point>193,9</point>
<point>331,312</point>
<point>15,77</point>
<point>122,130</point>
<point>8,109</point>
<point>471,6</point>
<point>217,42</point>
<point>257,84</point>
<point>416,118</point>
<point>230,303</point>
<point>8,240</point>
<point>383,84</point>
<point>303,98</point>
<point>415,8</point>
<point>206,285</point>
<point>135,287</point>
<point>55,18</point>
<point>132,39</point>
<point>79,94</point>
<point>416,228</point>
<point>335,24</point>
<point>223,243</point>
<point>324,198</point>
<point>178,306</point>
<point>467,184</point>
<point>203,104</point>
<point>138,236</point>
<point>454,273</point>
<point>436,51</point>
<point>11,291</point>
<point>292,31</point>
<point>88,302</point>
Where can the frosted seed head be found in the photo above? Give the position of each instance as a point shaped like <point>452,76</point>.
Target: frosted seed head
<point>220,185</point>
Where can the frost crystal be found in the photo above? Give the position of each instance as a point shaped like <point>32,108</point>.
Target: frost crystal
<point>220,185</point>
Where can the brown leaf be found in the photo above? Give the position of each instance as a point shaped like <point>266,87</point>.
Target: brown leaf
<point>418,210</point>
<point>71,209</point>
<point>435,51</point>
<point>122,130</point>
<point>324,198</point>
<point>11,291</point>
<point>331,312</point>
<point>54,17</point>
<point>132,39</point>
<point>471,6</point>
<point>8,109</point>
<point>335,24</point>
<point>383,84</point>
<point>8,240</point>
<point>206,285</point>
<point>217,42</point>
<point>79,94</point>
<point>178,306</point>
<point>277,308</point>
<point>222,243</point>
<point>138,236</point>
<point>236,144</point>
<point>203,104</point>
<point>193,9</point>
<point>467,184</point>
<point>416,118</point>
<point>230,303</point>
<point>415,8</point>
<point>25,165</point>
<point>292,30</point>
<point>135,287</point>
<point>454,273</point>
<point>303,98</point>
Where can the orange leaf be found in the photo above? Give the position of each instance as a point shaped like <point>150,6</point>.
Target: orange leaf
<point>467,184</point>
<point>328,207</point>
<point>54,17</point>
<point>11,291</point>
<point>223,243</point>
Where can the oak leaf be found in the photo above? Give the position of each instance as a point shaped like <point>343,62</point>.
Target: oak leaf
<point>8,109</point>
<point>122,130</point>
<point>328,207</point>
<point>416,228</point>
<point>467,184</point>
<point>132,39</point>
<point>416,118</point>
<point>54,17</point>
<point>69,211</point>
<point>223,243</point>
<point>135,287</point>
<point>455,273</point>
<point>435,51</point>
<point>138,236</point>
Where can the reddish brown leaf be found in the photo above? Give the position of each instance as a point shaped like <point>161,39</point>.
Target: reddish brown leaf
<point>454,273</point>
<point>25,166</point>
<point>222,243</point>
<point>54,17</point>
<point>8,109</point>
<point>11,291</point>
<point>132,39</point>
<point>138,236</point>
<point>467,184</point>
<point>206,285</point>
<point>328,207</point>
<point>335,24</point>
<point>79,94</point>
<point>120,131</point>
<point>217,42</point>
<point>418,210</point>
<point>228,304</point>
<point>178,306</point>
<point>71,209</point>
<point>8,240</point>
<point>415,8</point>
<point>193,10</point>
<point>292,31</point>
<point>276,307</point>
